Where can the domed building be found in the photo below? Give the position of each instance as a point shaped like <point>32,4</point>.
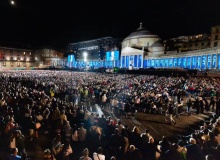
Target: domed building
<point>138,46</point>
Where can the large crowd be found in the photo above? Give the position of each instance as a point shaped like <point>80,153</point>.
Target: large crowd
<point>58,105</point>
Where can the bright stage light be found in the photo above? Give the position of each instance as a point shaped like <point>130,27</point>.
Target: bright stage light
<point>85,54</point>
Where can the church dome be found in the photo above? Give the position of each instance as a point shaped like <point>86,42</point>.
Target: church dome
<point>141,32</point>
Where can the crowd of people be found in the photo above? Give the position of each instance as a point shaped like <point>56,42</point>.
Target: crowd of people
<point>58,105</point>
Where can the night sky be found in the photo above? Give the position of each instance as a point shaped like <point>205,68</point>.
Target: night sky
<point>58,22</point>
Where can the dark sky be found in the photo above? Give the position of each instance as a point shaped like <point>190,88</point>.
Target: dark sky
<point>58,22</point>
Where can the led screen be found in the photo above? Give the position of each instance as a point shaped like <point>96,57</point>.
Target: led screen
<point>71,58</point>
<point>135,60</point>
<point>148,63</point>
<point>214,61</point>
<point>123,62</point>
<point>157,63</point>
<point>161,62</point>
<point>110,64</point>
<point>139,60</point>
<point>127,61</point>
<point>193,62</point>
<point>198,62</point>
<point>171,62</point>
<point>175,62</point>
<point>166,63</point>
<point>179,62</point>
<point>188,62</point>
<point>204,62</point>
<point>209,58</point>
<point>152,63</point>
<point>145,63</point>
<point>218,61</point>
<point>184,62</point>
<point>112,55</point>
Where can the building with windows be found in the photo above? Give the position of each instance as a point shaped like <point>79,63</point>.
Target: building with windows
<point>49,57</point>
<point>187,43</point>
<point>19,59</point>
<point>215,36</point>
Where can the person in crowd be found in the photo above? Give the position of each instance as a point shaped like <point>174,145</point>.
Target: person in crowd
<point>95,134</point>
<point>135,138</point>
<point>115,142</point>
<point>68,130</point>
<point>212,103</point>
<point>150,150</point>
<point>66,150</point>
<point>113,158</point>
<point>20,142</point>
<point>194,151</point>
<point>172,153</point>
<point>14,155</point>
<point>209,157</point>
<point>85,155</point>
<point>169,114</point>
<point>164,145</point>
<point>57,146</point>
<point>120,126</point>
<point>217,111</point>
<point>133,153</point>
<point>182,149</point>
<point>124,144</point>
<point>99,154</point>
<point>145,137</point>
<point>48,155</point>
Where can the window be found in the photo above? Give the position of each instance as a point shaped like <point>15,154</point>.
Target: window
<point>208,44</point>
<point>215,44</point>
<point>217,30</point>
<point>196,44</point>
<point>216,37</point>
<point>202,44</point>
<point>190,45</point>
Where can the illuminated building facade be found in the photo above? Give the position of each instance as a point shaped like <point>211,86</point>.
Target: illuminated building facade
<point>142,49</point>
<point>19,59</point>
<point>138,46</point>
